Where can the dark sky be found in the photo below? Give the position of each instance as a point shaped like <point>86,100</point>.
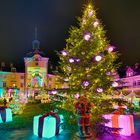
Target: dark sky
<point>53,18</point>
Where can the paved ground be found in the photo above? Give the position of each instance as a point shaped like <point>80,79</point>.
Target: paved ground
<point>26,134</point>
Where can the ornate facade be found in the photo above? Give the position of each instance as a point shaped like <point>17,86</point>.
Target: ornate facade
<point>35,80</point>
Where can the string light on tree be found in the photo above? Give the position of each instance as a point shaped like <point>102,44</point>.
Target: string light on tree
<point>95,24</point>
<point>64,53</point>
<point>111,48</point>
<point>54,92</point>
<point>77,60</point>
<point>99,90</point>
<point>90,13</point>
<point>86,83</point>
<point>98,58</point>
<point>84,21</point>
<point>87,36</point>
<point>115,84</point>
<point>66,79</point>
<point>71,60</point>
<point>108,73</point>
<point>77,95</point>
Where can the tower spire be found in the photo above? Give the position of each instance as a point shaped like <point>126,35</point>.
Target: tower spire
<point>35,42</point>
<point>35,32</point>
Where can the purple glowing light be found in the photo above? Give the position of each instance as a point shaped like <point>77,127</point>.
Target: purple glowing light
<point>99,90</point>
<point>77,96</point>
<point>71,60</point>
<point>98,58</point>
<point>86,83</point>
<point>64,53</point>
<point>108,73</point>
<point>77,60</point>
<point>110,48</point>
<point>87,36</point>
<point>115,84</point>
<point>90,13</point>
<point>66,79</point>
<point>54,92</point>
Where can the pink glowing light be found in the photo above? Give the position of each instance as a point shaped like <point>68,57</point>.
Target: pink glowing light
<point>64,53</point>
<point>77,96</point>
<point>111,48</point>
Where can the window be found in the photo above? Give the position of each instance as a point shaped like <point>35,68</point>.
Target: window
<point>21,85</point>
<point>4,84</point>
<point>36,63</point>
<point>134,83</point>
<point>21,77</point>
<point>138,82</point>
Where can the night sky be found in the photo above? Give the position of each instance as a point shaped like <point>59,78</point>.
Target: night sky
<point>121,19</point>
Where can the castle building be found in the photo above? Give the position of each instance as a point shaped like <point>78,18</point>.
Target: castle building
<point>34,81</point>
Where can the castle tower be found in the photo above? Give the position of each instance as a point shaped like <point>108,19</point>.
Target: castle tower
<point>36,69</point>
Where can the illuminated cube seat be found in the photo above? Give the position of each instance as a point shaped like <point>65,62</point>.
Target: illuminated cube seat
<point>124,122</point>
<point>5,115</point>
<point>47,125</point>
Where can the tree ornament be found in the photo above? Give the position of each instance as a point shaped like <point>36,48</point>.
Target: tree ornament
<point>77,60</point>
<point>95,24</point>
<point>115,84</point>
<point>84,21</point>
<point>66,79</point>
<point>85,83</point>
<point>90,13</point>
<point>71,60</point>
<point>108,73</point>
<point>99,90</point>
<point>111,48</point>
<point>68,68</point>
<point>77,95</point>
<point>98,58</point>
<point>64,53</point>
<point>83,53</point>
<point>54,92</point>
<point>87,36</point>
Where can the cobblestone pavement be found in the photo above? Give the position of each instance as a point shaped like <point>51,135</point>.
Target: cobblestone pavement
<point>27,134</point>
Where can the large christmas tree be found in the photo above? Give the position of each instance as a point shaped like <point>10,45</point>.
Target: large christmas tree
<point>88,63</point>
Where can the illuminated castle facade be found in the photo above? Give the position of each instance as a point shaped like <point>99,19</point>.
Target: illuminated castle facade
<point>35,80</point>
